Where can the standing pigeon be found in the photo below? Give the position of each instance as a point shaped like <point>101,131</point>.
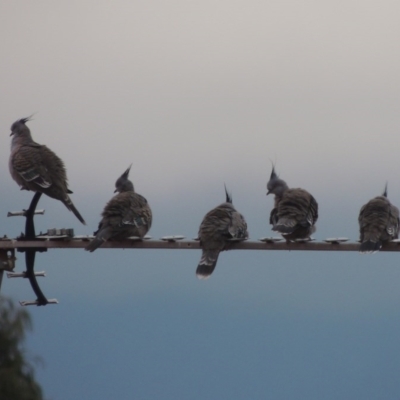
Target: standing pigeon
<point>379,222</point>
<point>35,167</point>
<point>126,214</point>
<point>295,211</point>
<point>218,226</point>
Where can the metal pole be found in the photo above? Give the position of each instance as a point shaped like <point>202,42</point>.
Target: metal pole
<point>31,252</point>
<point>1,277</point>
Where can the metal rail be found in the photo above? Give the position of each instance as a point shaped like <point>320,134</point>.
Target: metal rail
<point>80,243</point>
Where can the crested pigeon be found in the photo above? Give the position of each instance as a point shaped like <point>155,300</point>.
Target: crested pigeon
<point>379,222</point>
<point>126,214</point>
<point>35,167</point>
<point>295,211</point>
<point>218,226</point>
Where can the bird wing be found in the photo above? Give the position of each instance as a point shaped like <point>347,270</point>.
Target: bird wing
<point>393,224</point>
<point>138,212</point>
<point>222,222</point>
<point>378,219</point>
<point>312,214</point>
<point>361,219</point>
<point>297,207</point>
<point>28,162</point>
<point>273,216</point>
<point>238,226</point>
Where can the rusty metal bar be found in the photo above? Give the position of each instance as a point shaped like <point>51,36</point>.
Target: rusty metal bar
<point>68,243</point>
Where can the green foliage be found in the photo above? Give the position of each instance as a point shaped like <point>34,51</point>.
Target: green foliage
<point>16,372</point>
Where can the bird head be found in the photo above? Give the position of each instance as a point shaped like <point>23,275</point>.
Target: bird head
<point>123,184</point>
<point>19,127</point>
<point>275,185</point>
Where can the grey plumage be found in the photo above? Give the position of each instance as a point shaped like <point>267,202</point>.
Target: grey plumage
<point>379,222</point>
<point>35,167</point>
<point>126,214</point>
<point>218,226</point>
<point>295,211</point>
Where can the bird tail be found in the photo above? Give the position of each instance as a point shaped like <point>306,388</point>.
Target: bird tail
<point>102,236</point>
<point>68,203</point>
<point>370,246</point>
<point>207,263</point>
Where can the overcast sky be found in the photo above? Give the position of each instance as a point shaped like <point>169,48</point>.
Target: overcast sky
<point>194,95</point>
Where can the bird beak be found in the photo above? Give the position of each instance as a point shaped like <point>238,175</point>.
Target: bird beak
<point>115,191</point>
<point>12,133</point>
<point>268,192</point>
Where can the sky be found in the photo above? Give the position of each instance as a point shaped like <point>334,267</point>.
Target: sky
<point>194,95</point>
